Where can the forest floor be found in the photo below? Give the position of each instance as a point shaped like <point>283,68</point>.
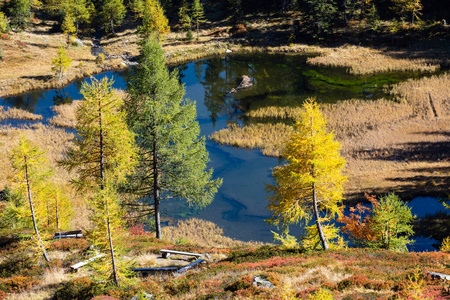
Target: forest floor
<point>228,272</point>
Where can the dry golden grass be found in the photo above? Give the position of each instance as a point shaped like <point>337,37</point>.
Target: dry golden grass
<point>54,141</point>
<point>146,259</point>
<point>363,61</point>
<point>43,294</point>
<point>417,93</point>
<point>17,114</point>
<point>28,58</point>
<point>270,138</point>
<point>356,117</point>
<point>65,114</point>
<point>202,233</point>
<point>54,276</point>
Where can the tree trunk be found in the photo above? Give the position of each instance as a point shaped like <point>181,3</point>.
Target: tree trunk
<point>322,238</point>
<point>112,25</point>
<point>198,32</point>
<point>32,212</point>
<point>48,215</point>
<point>102,186</point>
<point>56,213</point>
<point>156,190</point>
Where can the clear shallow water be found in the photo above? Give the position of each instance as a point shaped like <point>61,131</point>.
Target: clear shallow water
<point>239,207</point>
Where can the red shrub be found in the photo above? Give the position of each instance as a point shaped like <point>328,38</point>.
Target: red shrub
<point>353,281</point>
<point>69,244</point>
<point>17,283</point>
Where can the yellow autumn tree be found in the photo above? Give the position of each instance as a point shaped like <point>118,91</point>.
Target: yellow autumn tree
<point>104,154</point>
<point>61,62</point>
<point>30,173</point>
<point>309,185</point>
<point>153,18</point>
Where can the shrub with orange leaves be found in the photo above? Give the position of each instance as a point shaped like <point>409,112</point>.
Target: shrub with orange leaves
<point>359,224</point>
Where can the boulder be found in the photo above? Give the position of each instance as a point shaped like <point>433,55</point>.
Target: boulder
<point>77,42</point>
<point>262,282</point>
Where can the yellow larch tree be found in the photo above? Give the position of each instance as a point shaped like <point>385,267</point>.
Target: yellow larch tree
<point>310,184</point>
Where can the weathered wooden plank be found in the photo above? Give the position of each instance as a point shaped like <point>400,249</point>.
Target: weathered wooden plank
<point>155,269</point>
<point>145,272</point>
<point>440,276</point>
<point>190,266</point>
<point>166,253</point>
<point>68,234</point>
<point>83,263</point>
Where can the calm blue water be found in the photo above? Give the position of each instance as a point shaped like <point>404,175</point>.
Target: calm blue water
<point>239,207</point>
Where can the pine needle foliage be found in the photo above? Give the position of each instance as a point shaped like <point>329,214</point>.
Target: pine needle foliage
<point>309,185</point>
<point>393,223</point>
<point>103,156</point>
<point>153,18</point>
<point>198,15</point>
<point>172,157</point>
<point>100,102</point>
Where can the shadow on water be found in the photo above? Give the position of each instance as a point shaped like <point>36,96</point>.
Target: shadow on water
<point>240,205</point>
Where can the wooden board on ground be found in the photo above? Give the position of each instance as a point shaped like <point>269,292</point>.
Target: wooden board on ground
<point>190,266</point>
<point>166,253</point>
<point>68,234</point>
<point>76,266</point>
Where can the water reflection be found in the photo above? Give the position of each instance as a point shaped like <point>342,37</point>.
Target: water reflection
<point>61,97</point>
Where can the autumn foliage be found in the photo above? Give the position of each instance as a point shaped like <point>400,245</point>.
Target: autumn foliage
<point>359,223</point>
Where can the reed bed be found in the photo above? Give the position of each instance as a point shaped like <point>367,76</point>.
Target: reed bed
<point>203,234</point>
<point>65,115</point>
<point>365,61</point>
<point>417,93</point>
<point>269,138</point>
<point>12,113</point>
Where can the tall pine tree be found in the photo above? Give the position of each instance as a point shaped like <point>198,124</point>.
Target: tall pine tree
<point>198,14</point>
<point>310,183</point>
<point>172,157</point>
<point>103,156</point>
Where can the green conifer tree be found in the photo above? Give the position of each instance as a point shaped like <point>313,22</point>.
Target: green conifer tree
<point>113,13</point>
<point>184,18</point>
<point>392,223</point>
<point>198,15</point>
<point>19,11</point>
<point>68,27</point>
<point>103,155</point>
<point>80,10</point>
<point>172,157</point>
<point>311,180</point>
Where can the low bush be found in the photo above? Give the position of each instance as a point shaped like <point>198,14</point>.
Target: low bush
<point>77,289</point>
<point>17,264</point>
<point>69,244</point>
<point>17,283</point>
